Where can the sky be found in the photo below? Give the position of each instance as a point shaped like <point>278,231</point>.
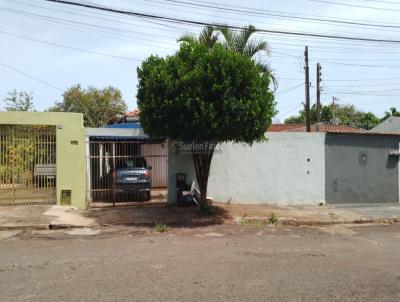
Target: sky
<point>46,47</point>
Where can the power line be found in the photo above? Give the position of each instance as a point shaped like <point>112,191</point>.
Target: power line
<point>290,89</point>
<point>87,26</point>
<point>30,76</point>
<point>202,23</point>
<point>348,80</point>
<point>67,47</point>
<point>355,5</point>
<point>71,13</point>
<point>383,1</point>
<point>275,14</point>
<point>113,29</point>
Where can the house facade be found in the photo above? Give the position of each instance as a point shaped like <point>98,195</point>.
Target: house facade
<point>52,158</point>
<point>304,168</point>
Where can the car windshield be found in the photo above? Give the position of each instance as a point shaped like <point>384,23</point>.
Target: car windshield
<point>137,162</point>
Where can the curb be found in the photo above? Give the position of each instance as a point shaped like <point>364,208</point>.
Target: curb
<point>24,227</point>
<point>293,222</point>
<point>41,227</point>
<point>205,222</point>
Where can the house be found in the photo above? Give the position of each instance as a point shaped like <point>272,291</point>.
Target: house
<point>390,125</point>
<point>314,128</point>
<point>296,167</point>
<point>338,164</point>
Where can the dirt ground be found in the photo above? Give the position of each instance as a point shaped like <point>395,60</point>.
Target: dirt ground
<point>213,263</point>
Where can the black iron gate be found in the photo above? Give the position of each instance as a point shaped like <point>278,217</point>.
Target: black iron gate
<point>27,165</point>
<point>126,172</point>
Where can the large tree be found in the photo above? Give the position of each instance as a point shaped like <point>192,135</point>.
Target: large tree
<point>391,112</point>
<point>337,114</point>
<point>242,41</point>
<point>19,101</point>
<point>96,105</point>
<point>204,94</point>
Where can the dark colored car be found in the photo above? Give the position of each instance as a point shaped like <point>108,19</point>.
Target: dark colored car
<point>132,177</point>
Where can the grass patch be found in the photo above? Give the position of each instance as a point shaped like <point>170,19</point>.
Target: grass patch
<point>253,222</point>
<point>272,219</point>
<point>162,228</point>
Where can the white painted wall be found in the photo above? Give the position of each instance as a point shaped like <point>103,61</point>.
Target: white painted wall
<point>276,171</point>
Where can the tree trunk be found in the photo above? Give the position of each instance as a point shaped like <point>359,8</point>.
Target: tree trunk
<point>202,163</point>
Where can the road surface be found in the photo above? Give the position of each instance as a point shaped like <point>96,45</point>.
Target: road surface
<point>217,263</point>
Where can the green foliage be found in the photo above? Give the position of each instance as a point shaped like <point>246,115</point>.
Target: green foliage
<point>238,41</point>
<point>296,119</point>
<point>273,218</point>
<point>18,156</point>
<point>391,112</point>
<point>162,228</point>
<point>340,114</point>
<point>207,37</point>
<point>96,105</point>
<point>253,222</point>
<point>19,101</point>
<point>204,94</point>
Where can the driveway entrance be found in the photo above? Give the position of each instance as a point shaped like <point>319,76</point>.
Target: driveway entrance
<point>27,165</point>
<point>121,172</point>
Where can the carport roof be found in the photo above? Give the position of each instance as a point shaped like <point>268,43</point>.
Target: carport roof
<point>119,138</point>
<point>116,134</point>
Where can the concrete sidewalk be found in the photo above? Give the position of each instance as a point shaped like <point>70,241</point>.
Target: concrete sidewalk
<point>53,217</point>
<point>43,217</point>
<point>317,215</point>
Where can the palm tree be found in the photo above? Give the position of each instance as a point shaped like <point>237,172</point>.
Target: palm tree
<point>240,42</point>
<point>208,36</point>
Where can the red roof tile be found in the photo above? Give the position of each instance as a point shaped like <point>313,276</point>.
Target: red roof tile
<point>133,113</point>
<point>322,128</point>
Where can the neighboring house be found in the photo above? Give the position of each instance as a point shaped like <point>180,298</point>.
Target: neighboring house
<point>390,125</point>
<point>314,128</point>
<point>131,118</point>
<point>296,167</point>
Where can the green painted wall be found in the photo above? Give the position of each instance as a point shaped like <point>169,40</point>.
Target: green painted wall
<point>70,148</point>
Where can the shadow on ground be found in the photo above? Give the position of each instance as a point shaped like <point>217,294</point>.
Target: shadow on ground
<point>150,215</point>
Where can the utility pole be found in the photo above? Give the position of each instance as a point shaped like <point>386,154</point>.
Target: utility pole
<point>319,73</point>
<point>307,87</point>
<point>333,109</point>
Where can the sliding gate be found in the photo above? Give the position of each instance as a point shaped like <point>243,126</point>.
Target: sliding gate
<point>27,165</point>
<point>124,172</point>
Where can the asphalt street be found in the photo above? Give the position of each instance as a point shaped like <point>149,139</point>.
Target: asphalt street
<point>215,263</point>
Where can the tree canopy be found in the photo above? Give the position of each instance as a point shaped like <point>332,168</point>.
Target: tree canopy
<point>241,41</point>
<point>391,112</point>
<point>202,93</point>
<point>96,105</point>
<point>338,114</point>
<point>19,101</point>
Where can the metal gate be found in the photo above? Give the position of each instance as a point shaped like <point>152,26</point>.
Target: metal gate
<point>126,172</point>
<point>27,165</point>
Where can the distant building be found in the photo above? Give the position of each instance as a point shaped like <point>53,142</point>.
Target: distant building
<point>314,128</point>
<point>390,125</point>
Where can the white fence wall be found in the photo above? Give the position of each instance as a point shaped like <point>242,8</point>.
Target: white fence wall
<point>289,168</point>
